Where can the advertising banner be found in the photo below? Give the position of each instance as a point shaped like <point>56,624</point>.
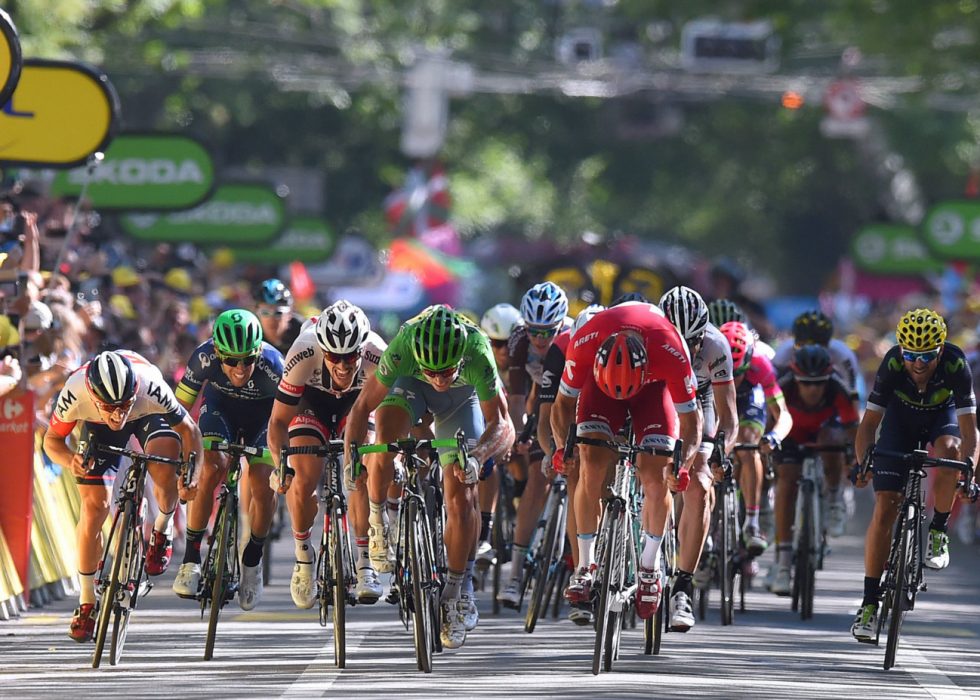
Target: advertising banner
<point>306,239</point>
<point>952,230</point>
<point>891,249</point>
<point>10,57</point>
<point>144,172</point>
<point>236,214</point>
<point>17,494</point>
<point>60,114</point>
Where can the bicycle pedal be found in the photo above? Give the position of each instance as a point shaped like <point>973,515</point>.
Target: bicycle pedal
<point>392,597</point>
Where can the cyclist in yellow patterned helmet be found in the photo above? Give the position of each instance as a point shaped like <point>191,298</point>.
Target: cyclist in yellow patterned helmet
<point>920,330</point>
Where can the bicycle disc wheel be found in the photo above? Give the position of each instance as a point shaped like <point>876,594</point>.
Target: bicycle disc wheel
<point>224,541</point>
<point>900,594</point>
<point>421,605</point>
<point>547,564</point>
<point>339,585</point>
<point>107,602</point>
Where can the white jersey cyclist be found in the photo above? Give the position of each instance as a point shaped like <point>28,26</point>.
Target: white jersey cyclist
<point>304,367</point>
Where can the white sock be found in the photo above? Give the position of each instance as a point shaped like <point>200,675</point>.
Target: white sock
<point>752,519</point>
<point>164,522</point>
<point>377,516</point>
<point>86,588</point>
<point>650,559</point>
<point>304,552</point>
<point>585,549</point>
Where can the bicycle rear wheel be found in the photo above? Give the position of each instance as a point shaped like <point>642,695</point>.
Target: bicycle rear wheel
<point>421,604</point>
<point>603,581</point>
<point>107,601</point>
<point>806,563</point>
<point>224,541</point>
<point>901,592</point>
<point>547,563</point>
<point>339,563</point>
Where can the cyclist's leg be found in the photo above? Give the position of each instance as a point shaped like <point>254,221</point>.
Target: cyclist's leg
<point>528,511</point>
<point>214,428</point>
<point>787,484</point>
<point>157,437</point>
<point>752,414</point>
<point>696,515</point>
<point>945,438</point>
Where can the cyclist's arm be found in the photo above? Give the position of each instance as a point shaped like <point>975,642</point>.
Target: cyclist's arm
<point>279,420</point>
<point>190,437</point>
<point>866,431</point>
<point>544,427</point>
<point>371,396</point>
<point>499,433</point>
<point>968,437</point>
<point>562,415</point>
<point>782,420</point>
<point>691,430</point>
<point>724,396</point>
<point>57,449</point>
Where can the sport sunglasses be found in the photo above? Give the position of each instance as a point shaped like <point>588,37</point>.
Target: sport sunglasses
<point>347,358</point>
<point>441,373</point>
<point>539,332</point>
<point>246,361</point>
<point>923,357</point>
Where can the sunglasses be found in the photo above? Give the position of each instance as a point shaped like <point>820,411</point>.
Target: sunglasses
<point>811,380</point>
<point>270,313</point>
<point>235,361</point>
<point>122,408</point>
<point>923,357</point>
<point>543,332</point>
<point>347,358</point>
<point>498,343</point>
<point>441,373</point>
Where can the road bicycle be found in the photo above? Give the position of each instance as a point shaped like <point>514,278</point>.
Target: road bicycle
<point>721,556</point>
<point>545,562</point>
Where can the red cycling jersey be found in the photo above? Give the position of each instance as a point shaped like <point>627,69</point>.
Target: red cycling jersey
<point>668,359</point>
<point>808,420</point>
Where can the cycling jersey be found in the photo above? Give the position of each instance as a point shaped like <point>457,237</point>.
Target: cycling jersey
<point>713,363</point>
<point>153,396</point>
<point>841,356</point>
<point>761,372</point>
<point>950,385</point>
<point>525,364</point>
<point>554,365</point>
<point>305,369</point>
<point>477,367</point>
<point>808,420</point>
<point>204,366</point>
<point>297,324</point>
<point>668,359</point>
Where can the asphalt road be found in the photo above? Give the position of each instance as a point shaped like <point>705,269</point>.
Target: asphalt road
<point>279,651</point>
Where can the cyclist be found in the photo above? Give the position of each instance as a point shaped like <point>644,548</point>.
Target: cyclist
<point>814,395</point>
<point>627,361</point>
<point>438,362</point>
<point>712,360</point>
<point>239,374</point>
<point>758,399</point>
<point>326,369</point>
<point>721,311</point>
<point>274,307</point>
<point>923,393</point>
<point>116,396</point>
<point>814,327</point>
<point>498,323</point>
<point>544,308</point>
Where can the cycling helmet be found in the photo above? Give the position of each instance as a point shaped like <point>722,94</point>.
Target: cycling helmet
<point>687,311</point>
<point>544,304</point>
<point>811,363</point>
<point>620,365</point>
<point>342,328</point>
<point>274,292</point>
<point>721,311</point>
<point>742,342</point>
<point>499,321</point>
<point>585,315</point>
<point>237,332</point>
<point>920,330</point>
<point>438,339</point>
<point>630,296</point>
<point>812,327</point>
<point>110,378</point>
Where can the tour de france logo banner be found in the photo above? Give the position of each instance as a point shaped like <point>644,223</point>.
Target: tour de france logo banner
<point>143,172</point>
<point>60,114</point>
<point>11,60</point>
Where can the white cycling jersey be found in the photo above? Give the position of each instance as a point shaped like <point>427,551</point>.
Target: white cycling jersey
<point>153,396</point>
<point>843,358</point>
<point>713,363</point>
<point>304,366</point>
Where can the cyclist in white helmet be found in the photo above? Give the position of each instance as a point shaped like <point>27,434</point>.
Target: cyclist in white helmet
<point>324,373</point>
<point>711,358</point>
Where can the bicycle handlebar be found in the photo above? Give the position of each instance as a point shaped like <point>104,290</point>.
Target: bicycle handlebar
<point>186,468</point>
<point>238,449</point>
<point>921,459</point>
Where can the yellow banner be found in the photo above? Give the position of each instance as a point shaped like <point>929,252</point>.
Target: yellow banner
<point>60,114</point>
<point>10,57</point>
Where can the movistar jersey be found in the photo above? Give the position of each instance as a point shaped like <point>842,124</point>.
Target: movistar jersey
<point>477,368</point>
<point>950,385</point>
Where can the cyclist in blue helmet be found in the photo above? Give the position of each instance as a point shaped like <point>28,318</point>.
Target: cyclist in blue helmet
<point>274,307</point>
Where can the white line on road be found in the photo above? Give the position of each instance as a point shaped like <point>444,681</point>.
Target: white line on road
<point>932,680</point>
<point>315,680</point>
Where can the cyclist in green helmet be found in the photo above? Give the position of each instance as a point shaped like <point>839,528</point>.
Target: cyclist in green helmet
<point>241,374</point>
<point>439,363</point>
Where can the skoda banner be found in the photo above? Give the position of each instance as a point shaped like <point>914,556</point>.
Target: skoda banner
<point>890,249</point>
<point>952,230</point>
<point>59,115</point>
<point>236,214</point>
<point>10,57</point>
<point>144,172</point>
<point>306,239</point>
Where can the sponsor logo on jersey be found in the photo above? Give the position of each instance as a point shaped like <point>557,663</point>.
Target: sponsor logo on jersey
<point>720,373</point>
<point>372,357</point>
<point>547,378</point>
<point>594,427</point>
<point>304,354</point>
<point>205,359</point>
<point>689,383</point>
<point>671,350</point>
<point>586,338</point>
<point>155,391</point>
<point>718,360</point>
<point>570,368</point>
<point>65,400</point>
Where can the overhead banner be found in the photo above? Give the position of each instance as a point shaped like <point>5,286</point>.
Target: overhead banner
<point>10,57</point>
<point>952,230</point>
<point>891,249</point>
<point>144,172</point>
<point>59,115</point>
<point>306,239</point>
<point>236,214</point>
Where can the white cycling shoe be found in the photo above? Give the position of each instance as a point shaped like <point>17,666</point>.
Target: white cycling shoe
<point>471,616</point>
<point>510,597</point>
<point>188,580</point>
<point>681,612</point>
<point>453,632</point>
<point>782,582</point>
<point>301,586</point>
<point>250,587</point>
<point>378,548</point>
<point>368,588</point>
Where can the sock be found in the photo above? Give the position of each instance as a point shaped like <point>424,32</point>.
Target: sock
<point>253,551</point>
<point>377,516</point>
<point>467,587</point>
<point>784,555</point>
<point>454,580</point>
<point>304,552</point>
<point>362,558</point>
<point>86,588</point>
<point>518,555</point>
<point>585,549</point>
<point>752,517</point>
<point>650,558</point>
<point>486,520</point>
<point>684,582</point>
<point>872,585</point>
<point>940,521</point>
<point>192,548</point>
<point>833,495</point>
<point>164,522</point>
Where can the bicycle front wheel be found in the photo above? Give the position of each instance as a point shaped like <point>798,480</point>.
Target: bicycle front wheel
<point>901,592</point>
<point>605,617</point>
<point>224,541</point>
<point>547,564</point>
<point>118,535</point>
<point>421,604</point>
<point>726,554</point>
<point>339,561</point>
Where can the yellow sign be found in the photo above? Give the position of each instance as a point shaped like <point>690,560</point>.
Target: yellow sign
<point>60,114</point>
<point>10,57</point>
